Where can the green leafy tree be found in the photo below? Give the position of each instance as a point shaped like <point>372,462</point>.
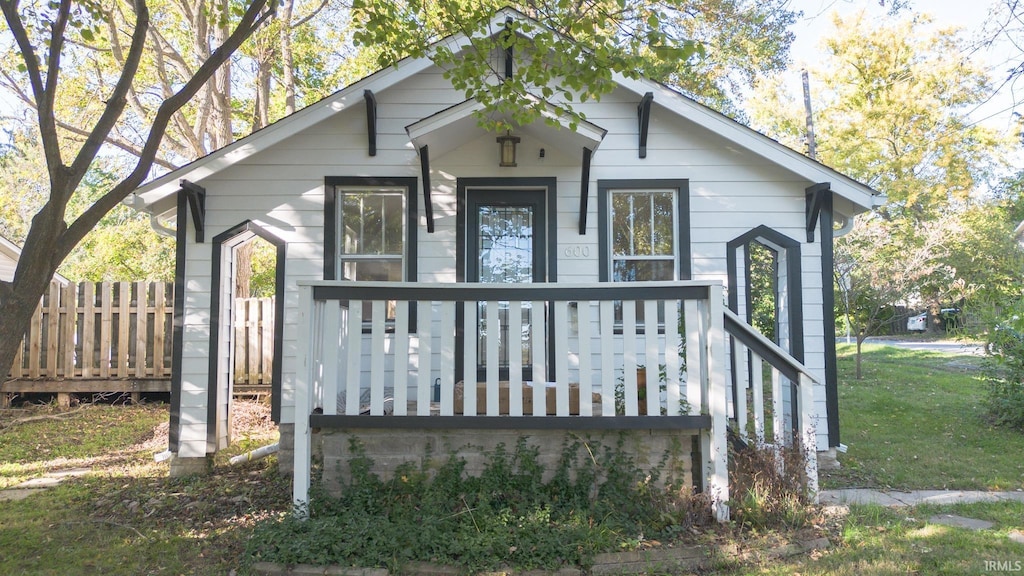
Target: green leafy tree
<point>46,37</point>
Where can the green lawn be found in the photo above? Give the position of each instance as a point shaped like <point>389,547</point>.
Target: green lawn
<point>916,421</point>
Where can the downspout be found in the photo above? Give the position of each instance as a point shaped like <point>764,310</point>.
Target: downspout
<point>845,225</point>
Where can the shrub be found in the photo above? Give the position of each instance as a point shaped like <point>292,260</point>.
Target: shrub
<point>1004,369</point>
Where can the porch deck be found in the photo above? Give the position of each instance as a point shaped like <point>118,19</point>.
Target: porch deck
<point>392,355</point>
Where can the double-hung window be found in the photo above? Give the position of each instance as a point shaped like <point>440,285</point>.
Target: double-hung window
<point>370,226</point>
<point>644,232</point>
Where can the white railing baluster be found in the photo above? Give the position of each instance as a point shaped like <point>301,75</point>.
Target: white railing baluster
<point>332,344</point>
<point>355,357</point>
<point>539,350</point>
<point>757,394</point>
<point>629,357</point>
<point>470,343</point>
<point>515,358</point>
<point>561,336</point>
<point>583,315</point>
<point>424,332</point>
<point>493,362</point>
<point>401,371</point>
<point>652,360</point>
<point>672,397</point>
<point>447,342</point>
<point>607,333</point>
<point>740,377</point>
<point>778,417</point>
<point>377,336</point>
<point>694,357</point>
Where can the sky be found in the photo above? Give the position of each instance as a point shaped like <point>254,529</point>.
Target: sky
<point>970,14</point>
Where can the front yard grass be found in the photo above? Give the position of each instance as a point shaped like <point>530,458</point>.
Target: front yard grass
<point>917,421</point>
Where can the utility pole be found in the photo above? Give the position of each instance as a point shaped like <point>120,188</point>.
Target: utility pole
<point>812,146</point>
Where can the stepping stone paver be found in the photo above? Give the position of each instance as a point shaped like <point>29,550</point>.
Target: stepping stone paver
<point>961,522</point>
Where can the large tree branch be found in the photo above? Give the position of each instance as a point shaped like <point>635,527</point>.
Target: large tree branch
<point>253,17</point>
<point>117,99</point>
<point>47,129</point>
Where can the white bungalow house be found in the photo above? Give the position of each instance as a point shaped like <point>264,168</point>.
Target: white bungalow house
<point>409,249</point>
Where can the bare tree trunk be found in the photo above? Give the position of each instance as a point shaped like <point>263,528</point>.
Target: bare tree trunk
<point>221,129</point>
<point>861,336</point>
<point>243,269</point>
<point>261,109</point>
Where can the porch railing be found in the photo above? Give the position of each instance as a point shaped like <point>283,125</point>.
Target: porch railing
<point>786,417</point>
<point>514,356</point>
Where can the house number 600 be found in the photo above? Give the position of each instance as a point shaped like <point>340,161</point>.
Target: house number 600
<point>577,252</point>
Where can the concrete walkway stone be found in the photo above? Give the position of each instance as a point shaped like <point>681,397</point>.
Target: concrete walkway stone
<point>914,497</point>
<point>35,485</point>
<point>961,522</point>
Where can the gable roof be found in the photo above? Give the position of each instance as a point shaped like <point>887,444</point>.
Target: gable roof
<point>157,196</point>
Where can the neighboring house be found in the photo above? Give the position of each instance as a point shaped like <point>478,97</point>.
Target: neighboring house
<point>10,253</point>
<point>390,182</point>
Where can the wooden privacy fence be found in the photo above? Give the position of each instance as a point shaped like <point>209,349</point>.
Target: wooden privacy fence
<point>117,337</point>
<point>253,344</point>
<point>108,330</point>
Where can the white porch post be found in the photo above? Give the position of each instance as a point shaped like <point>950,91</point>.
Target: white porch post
<point>809,438</point>
<point>303,379</point>
<point>717,455</point>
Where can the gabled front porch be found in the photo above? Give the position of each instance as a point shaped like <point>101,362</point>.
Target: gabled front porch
<point>398,356</point>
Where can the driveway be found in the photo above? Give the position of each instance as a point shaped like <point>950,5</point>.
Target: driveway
<point>944,346</point>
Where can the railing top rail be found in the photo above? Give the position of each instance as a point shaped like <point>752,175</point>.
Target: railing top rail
<point>765,348</point>
<point>463,291</point>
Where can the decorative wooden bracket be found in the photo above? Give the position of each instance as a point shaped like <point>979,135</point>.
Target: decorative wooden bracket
<point>425,172</point>
<point>585,189</point>
<point>643,112</point>
<point>196,196</point>
<point>814,197</point>
<point>508,52</point>
<point>371,121</point>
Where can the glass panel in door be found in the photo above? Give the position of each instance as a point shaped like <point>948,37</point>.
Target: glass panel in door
<point>505,253</point>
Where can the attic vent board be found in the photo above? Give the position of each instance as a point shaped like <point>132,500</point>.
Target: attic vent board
<point>585,189</point>
<point>815,196</point>
<point>425,171</point>
<point>643,112</point>
<point>196,196</point>
<point>371,121</point>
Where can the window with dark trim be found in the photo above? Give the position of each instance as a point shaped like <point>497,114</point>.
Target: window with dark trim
<point>370,231</point>
<point>643,234</point>
<point>643,230</point>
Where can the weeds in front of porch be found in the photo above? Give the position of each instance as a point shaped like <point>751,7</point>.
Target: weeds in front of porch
<point>596,500</point>
<point>768,486</point>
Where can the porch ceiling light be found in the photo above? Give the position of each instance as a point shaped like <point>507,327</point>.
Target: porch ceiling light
<point>507,148</point>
